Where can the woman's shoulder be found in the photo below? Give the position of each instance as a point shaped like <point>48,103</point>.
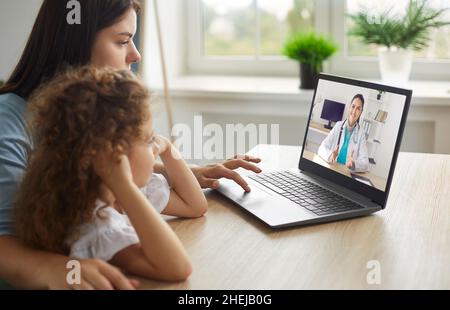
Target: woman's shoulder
<point>11,101</point>
<point>12,108</point>
<point>339,123</point>
<point>13,126</point>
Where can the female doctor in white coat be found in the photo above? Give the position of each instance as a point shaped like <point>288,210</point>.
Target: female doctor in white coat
<point>346,143</point>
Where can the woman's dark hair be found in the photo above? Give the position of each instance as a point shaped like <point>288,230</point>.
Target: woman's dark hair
<point>360,97</point>
<point>54,44</point>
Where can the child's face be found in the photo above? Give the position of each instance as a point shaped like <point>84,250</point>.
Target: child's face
<point>142,156</point>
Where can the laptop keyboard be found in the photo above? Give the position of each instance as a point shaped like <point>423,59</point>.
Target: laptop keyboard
<point>305,193</point>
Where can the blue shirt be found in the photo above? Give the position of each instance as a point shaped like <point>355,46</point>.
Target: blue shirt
<point>15,144</point>
<point>342,158</point>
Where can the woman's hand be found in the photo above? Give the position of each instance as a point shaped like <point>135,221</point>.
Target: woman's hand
<point>94,274</point>
<point>114,171</point>
<point>350,162</point>
<point>334,155</point>
<point>208,176</point>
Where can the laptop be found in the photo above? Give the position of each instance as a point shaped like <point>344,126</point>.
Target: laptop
<point>350,149</point>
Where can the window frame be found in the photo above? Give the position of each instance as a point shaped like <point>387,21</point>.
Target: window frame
<point>329,20</point>
<point>367,67</point>
<point>197,63</point>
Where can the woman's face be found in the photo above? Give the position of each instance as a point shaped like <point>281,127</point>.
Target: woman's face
<point>142,156</point>
<point>114,46</point>
<point>355,111</point>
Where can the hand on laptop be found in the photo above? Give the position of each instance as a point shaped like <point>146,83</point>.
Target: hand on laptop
<point>208,176</point>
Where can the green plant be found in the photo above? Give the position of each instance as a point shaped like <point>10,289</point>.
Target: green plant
<point>1,83</point>
<point>409,31</point>
<point>309,48</point>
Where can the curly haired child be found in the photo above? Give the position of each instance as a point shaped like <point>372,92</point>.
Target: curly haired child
<point>90,191</point>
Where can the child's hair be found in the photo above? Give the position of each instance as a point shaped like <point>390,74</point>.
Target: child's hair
<point>75,115</point>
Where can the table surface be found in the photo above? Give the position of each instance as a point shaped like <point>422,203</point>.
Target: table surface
<point>377,182</point>
<point>407,245</point>
<point>319,127</point>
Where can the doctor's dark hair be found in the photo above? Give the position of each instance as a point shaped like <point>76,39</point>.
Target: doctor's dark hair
<point>72,118</point>
<point>361,98</point>
<point>54,44</point>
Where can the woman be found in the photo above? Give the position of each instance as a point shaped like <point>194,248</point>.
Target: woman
<point>104,38</point>
<point>346,143</point>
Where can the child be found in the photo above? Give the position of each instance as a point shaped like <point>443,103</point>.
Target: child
<point>90,190</point>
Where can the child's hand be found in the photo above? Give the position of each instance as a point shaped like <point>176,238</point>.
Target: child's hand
<point>161,145</point>
<point>114,172</point>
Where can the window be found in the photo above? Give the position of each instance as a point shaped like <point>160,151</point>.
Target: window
<point>439,47</point>
<point>356,59</point>
<point>245,37</point>
<point>253,28</point>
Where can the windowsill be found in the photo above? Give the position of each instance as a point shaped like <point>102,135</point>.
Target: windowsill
<point>428,93</point>
<point>284,88</point>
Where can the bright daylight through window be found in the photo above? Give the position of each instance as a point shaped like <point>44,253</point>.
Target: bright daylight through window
<point>253,28</point>
<point>439,44</point>
<point>258,28</point>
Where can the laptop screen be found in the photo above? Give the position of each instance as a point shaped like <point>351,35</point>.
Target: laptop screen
<point>353,130</point>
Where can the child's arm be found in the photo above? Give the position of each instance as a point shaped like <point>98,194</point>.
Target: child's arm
<point>186,197</point>
<point>160,254</point>
<point>27,268</point>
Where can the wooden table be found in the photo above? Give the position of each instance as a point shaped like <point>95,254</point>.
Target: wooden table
<point>409,241</point>
<point>377,182</point>
<point>319,127</point>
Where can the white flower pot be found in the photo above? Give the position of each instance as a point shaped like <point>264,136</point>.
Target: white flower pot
<point>395,64</point>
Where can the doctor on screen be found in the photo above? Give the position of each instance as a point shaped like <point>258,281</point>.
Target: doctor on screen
<point>346,143</point>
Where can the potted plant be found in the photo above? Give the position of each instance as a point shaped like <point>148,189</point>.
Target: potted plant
<point>397,36</point>
<point>310,50</point>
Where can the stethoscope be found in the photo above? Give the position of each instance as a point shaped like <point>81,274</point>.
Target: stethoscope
<point>353,134</point>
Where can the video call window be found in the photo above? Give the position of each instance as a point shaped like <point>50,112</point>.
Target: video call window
<point>353,131</point>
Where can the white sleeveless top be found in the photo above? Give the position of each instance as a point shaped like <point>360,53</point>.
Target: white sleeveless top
<point>112,232</point>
